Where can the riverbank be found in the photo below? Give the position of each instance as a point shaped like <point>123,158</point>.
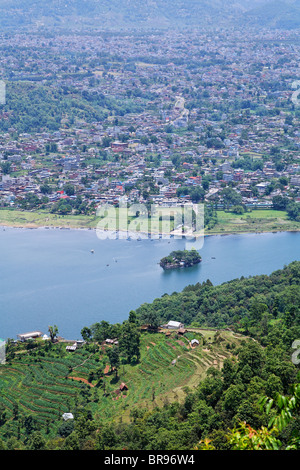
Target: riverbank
<point>257,221</point>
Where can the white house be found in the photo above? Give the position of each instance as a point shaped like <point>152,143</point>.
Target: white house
<point>67,416</point>
<point>175,325</point>
<point>30,335</point>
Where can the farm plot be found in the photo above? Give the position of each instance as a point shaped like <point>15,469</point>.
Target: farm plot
<point>38,387</point>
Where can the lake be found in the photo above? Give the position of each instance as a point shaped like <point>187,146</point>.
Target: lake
<point>51,277</point>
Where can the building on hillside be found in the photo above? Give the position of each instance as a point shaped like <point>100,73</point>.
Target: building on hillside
<point>182,331</point>
<point>67,416</point>
<point>30,335</point>
<point>176,325</point>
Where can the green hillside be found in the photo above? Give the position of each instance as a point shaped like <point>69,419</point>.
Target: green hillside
<point>44,380</point>
<point>150,388</point>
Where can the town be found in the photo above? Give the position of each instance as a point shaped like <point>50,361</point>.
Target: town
<point>164,117</point>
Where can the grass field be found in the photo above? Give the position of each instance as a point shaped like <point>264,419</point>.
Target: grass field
<point>47,384</point>
<point>267,220</point>
<point>34,219</point>
<point>260,220</point>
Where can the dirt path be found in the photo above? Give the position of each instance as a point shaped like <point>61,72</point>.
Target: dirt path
<point>80,379</point>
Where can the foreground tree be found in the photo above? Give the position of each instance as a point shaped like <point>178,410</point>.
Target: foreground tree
<point>285,413</point>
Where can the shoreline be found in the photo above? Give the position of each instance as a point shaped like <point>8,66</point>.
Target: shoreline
<point>20,219</point>
<point>142,235</point>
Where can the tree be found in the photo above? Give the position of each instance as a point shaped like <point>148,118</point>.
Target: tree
<point>101,331</point>
<point>280,203</point>
<point>228,373</point>
<point>114,358</point>
<point>30,201</point>
<point>45,188</point>
<point>150,317</point>
<point>30,424</point>
<point>53,332</point>
<point>66,428</point>
<point>244,437</point>
<point>72,442</point>
<point>231,197</point>
<point>129,341</point>
<point>69,189</point>
<point>106,438</point>
<point>233,398</point>
<point>6,168</point>
<point>3,414</point>
<point>86,333</point>
<point>197,194</point>
<point>238,209</point>
<point>251,355</point>
<point>293,210</point>
<point>132,317</point>
<point>36,441</point>
<point>15,410</point>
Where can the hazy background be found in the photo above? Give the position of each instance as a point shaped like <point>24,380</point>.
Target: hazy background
<point>148,14</point>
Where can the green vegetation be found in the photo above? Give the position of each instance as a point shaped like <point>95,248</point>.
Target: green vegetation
<point>180,258</point>
<point>33,107</point>
<point>216,221</point>
<point>153,389</point>
<point>256,220</point>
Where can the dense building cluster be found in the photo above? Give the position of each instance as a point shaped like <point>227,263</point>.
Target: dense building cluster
<point>164,117</point>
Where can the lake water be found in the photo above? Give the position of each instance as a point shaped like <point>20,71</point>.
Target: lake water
<point>50,277</point>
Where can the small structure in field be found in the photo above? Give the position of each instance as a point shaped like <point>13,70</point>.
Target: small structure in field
<point>67,416</point>
<point>123,387</point>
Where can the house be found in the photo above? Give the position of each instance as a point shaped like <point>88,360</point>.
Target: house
<point>30,335</point>
<point>194,342</point>
<point>182,331</point>
<point>175,325</point>
<point>119,146</point>
<point>123,387</point>
<point>111,341</point>
<point>67,416</point>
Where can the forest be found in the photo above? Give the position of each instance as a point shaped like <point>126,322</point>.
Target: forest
<point>34,107</point>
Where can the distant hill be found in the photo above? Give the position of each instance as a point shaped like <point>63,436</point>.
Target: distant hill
<point>124,14</point>
<point>275,14</point>
<point>109,13</point>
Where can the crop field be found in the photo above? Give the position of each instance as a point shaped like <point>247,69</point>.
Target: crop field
<point>45,384</point>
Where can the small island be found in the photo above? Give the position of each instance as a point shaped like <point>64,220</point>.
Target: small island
<point>180,259</point>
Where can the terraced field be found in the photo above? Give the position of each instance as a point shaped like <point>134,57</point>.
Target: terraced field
<point>39,386</point>
<point>46,386</point>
